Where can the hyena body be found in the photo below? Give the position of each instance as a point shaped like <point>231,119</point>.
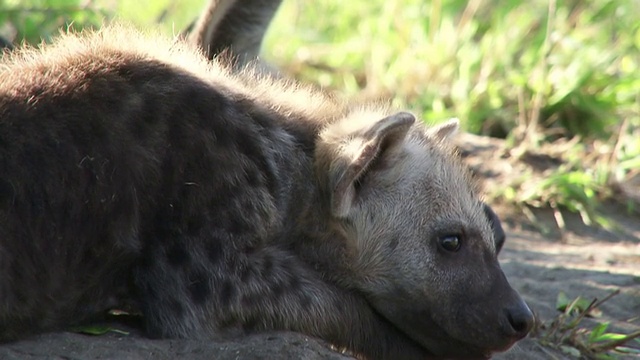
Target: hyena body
<point>131,168</point>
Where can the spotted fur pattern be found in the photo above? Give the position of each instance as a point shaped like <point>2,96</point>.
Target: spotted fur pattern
<point>131,168</point>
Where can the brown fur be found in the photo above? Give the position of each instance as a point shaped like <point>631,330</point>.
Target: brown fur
<point>224,204</point>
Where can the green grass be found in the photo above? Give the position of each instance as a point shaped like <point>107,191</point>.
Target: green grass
<point>36,20</point>
<point>494,64</point>
<point>533,72</point>
<point>568,333</point>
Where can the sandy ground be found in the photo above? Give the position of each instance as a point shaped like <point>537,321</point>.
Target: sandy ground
<point>540,268</point>
<point>584,261</point>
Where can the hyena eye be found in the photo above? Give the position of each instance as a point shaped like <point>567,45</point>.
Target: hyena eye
<point>450,242</point>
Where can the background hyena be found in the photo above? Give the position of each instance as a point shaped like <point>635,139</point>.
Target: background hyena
<point>131,168</point>
<point>4,44</point>
<point>233,28</point>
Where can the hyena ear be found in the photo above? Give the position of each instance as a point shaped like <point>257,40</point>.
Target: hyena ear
<point>499,236</point>
<point>358,149</point>
<point>444,131</point>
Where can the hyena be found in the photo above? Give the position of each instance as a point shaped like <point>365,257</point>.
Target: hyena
<point>224,203</point>
<point>233,28</point>
<point>5,45</point>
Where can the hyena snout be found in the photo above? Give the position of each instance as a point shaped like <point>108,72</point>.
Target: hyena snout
<point>518,319</point>
<point>489,318</point>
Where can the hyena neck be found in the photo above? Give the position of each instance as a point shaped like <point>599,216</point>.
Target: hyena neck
<point>315,237</point>
<point>304,223</point>
<point>317,242</point>
<point>306,226</point>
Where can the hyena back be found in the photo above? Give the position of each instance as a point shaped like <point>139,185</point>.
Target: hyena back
<point>225,204</point>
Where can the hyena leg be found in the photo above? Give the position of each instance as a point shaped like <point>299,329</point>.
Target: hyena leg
<point>237,26</point>
<point>221,289</point>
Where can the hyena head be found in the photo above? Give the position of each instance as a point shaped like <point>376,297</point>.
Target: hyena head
<point>421,246</point>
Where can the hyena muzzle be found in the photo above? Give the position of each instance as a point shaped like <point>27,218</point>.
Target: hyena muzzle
<point>225,204</point>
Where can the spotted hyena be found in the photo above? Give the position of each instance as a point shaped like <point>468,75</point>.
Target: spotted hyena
<point>237,26</point>
<point>225,204</point>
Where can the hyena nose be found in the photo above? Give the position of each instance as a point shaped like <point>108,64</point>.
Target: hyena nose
<point>520,319</point>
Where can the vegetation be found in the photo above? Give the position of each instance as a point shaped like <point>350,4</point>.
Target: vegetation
<point>35,20</point>
<point>537,73</point>
<point>568,334</point>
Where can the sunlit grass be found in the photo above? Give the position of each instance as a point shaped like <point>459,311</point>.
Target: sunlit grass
<point>485,62</point>
<point>530,71</point>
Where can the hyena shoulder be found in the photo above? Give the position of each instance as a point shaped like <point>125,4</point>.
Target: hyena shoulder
<point>116,148</point>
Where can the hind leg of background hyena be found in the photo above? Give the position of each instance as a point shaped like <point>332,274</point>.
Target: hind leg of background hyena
<point>200,289</point>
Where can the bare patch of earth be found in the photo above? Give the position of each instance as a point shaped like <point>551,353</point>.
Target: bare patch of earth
<point>585,261</point>
<point>582,261</point>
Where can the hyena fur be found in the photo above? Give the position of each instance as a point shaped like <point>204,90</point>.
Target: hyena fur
<point>5,45</point>
<point>234,29</point>
<point>225,204</point>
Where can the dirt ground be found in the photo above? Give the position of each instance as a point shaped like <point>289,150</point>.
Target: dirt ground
<point>583,261</point>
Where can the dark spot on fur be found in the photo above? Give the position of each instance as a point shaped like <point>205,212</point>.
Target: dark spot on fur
<point>214,249</point>
<point>177,308</point>
<point>305,301</point>
<point>226,322</point>
<point>227,293</point>
<point>246,274</point>
<point>252,149</point>
<point>224,139</point>
<point>177,255</point>
<point>199,287</point>
<point>287,267</point>
<point>222,200</point>
<point>393,244</point>
<point>147,260</point>
<point>195,96</point>
<point>149,292</point>
<point>7,192</point>
<point>237,225</point>
<point>194,225</point>
<point>278,289</point>
<point>206,103</point>
<point>165,224</point>
<point>140,130</point>
<point>250,325</point>
<point>267,266</point>
<point>250,146</point>
<point>253,177</point>
<point>247,301</point>
<point>37,202</point>
<point>151,109</point>
<point>294,283</point>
